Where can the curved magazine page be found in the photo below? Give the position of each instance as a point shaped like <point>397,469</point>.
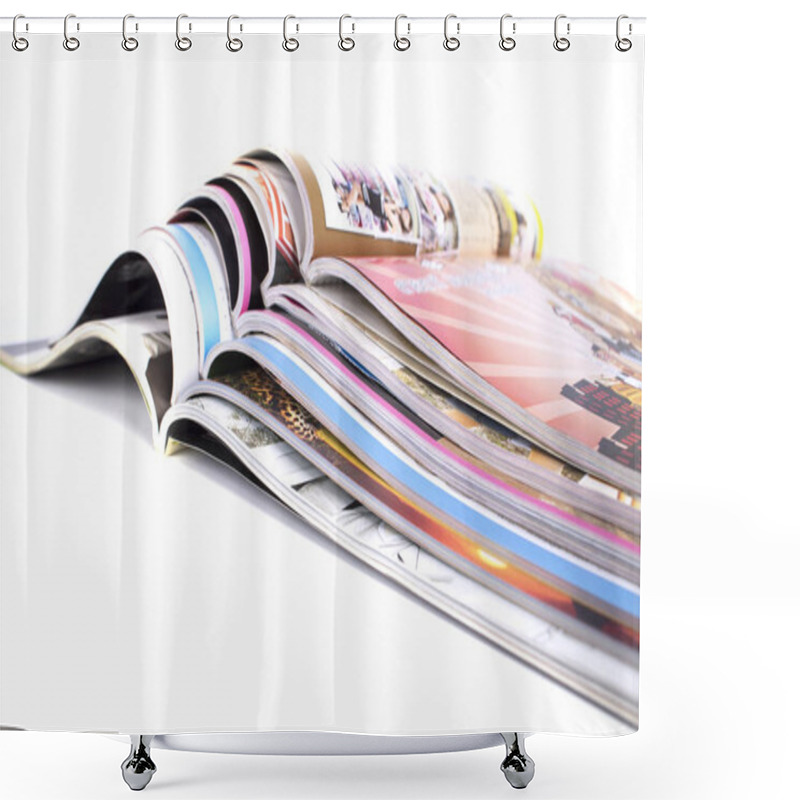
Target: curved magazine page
<point>142,310</point>
<point>523,338</point>
<point>280,200</point>
<point>520,232</point>
<point>179,299</point>
<point>475,436</point>
<point>586,538</point>
<point>303,193</point>
<point>215,426</point>
<point>254,238</point>
<point>267,402</point>
<point>282,168</point>
<point>142,341</point>
<point>343,209</point>
<point>215,208</point>
<point>198,253</point>
<point>269,363</point>
<point>313,208</point>
<point>277,232</point>
<point>387,209</point>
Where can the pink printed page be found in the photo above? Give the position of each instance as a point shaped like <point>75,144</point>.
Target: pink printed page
<point>554,338</point>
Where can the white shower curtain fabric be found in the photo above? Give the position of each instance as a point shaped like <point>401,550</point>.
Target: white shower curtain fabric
<point>321,386</point>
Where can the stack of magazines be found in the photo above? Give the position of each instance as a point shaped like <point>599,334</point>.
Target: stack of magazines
<point>388,353</point>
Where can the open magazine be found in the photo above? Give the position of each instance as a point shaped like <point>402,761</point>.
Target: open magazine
<point>387,353</point>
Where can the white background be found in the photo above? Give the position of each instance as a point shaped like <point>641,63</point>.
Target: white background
<point>720,603</point>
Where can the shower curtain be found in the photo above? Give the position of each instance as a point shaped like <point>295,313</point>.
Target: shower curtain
<point>321,390</point>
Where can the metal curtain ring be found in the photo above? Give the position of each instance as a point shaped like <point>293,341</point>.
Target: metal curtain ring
<point>401,42</point>
<point>183,43</point>
<point>290,44</point>
<point>70,42</point>
<point>451,42</point>
<point>346,42</point>
<point>19,43</point>
<point>507,42</point>
<point>233,44</point>
<point>623,45</point>
<point>129,43</point>
<point>561,43</point>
